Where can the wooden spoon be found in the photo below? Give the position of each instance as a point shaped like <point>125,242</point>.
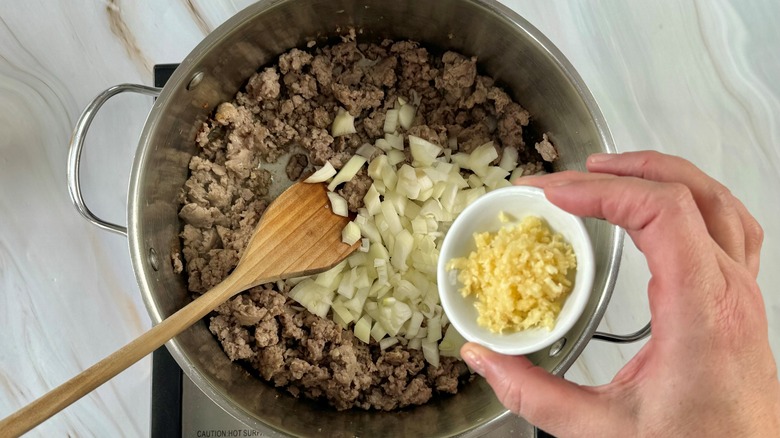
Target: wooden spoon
<point>298,235</point>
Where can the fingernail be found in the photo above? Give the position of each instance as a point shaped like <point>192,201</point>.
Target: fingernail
<point>474,361</point>
<point>600,158</point>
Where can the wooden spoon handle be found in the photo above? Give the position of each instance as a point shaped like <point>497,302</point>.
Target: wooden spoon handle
<point>62,396</point>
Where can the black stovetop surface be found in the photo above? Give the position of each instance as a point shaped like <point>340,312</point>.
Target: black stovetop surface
<point>166,374</point>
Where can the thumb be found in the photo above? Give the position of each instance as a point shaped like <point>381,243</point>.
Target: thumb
<point>557,406</point>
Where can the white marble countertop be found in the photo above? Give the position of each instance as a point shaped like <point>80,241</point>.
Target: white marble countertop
<point>693,78</point>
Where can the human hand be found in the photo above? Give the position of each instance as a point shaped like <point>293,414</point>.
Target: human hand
<point>708,369</point>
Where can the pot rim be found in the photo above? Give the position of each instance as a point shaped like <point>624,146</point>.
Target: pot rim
<point>181,78</point>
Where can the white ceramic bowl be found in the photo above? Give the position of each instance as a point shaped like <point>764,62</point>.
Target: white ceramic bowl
<point>482,216</point>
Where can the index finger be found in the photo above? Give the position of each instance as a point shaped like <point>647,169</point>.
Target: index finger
<point>728,222</point>
<point>664,223</point>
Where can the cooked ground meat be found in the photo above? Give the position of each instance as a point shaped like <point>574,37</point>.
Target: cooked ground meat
<point>296,166</point>
<point>547,149</point>
<point>355,190</point>
<point>291,106</point>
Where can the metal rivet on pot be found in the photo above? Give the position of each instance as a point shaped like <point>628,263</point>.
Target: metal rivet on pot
<point>153,259</point>
<point>555,349</point>
<point>196,78</point>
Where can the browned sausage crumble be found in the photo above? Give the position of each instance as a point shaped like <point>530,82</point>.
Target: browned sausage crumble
<point>286,110</point>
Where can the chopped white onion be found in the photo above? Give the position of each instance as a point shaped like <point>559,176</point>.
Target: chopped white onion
<point>366,150</point>
<point>408,292</point>
<point>416,98</point>
<point>412,211</point>
<point>391,216</point>
<point>402,248</point>
<point>493,175</point>
<point>501,183</point>
<point>347,172</point>
<point>406,115</point>
<point>336,317</point>
<point>370,231</point>
<point>338,204</point>
<point>389,178</point>
<point>482,156</point>
<point>452,142</point>
<point>394,156</point>
<point>407,184</point>
<point>378,331</point>
<point>360,274</point>
<point>436,174</point>
<point>331,278</point>
<point>391,121</point>
<point>424,152</point>
<point>315,298</point>
<point>419,225</point>
<point>343,313</point>
<point>448,196</point>
<point>521,171</point>
<point>376,166</point>
<point>430,352</point>
<point>399,203</point>
<point>347,286</point>
<point>363,329</point>
<point>434,329</point>
<point>343,124</point>
<point>387,290</point>
<point>457,179</point>
<point>351,233</point>
<point>509,157</point>
<point>385,343</point>
<point>324,173</point>
<point>415,322</point>
<point>382,144</point>
<point>475,181</point>
<point>396,141</point>
<point>393,314</point>
<point>461,159</point>
<point>371,201</point>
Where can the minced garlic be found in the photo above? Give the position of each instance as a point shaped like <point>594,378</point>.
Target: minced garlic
<point>519,275</point>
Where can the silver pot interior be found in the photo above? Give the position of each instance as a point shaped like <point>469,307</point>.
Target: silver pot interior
<point>508,48</point>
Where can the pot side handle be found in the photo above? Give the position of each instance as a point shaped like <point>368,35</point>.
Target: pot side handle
<point>624,339</point>
<point>77,146</point>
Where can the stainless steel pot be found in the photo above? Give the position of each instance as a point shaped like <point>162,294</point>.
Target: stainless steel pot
<point>508,48</point>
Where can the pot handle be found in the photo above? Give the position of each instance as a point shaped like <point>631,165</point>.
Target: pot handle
<point>615,339</point>
<point>624,339</point>
<point>77,146</point>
